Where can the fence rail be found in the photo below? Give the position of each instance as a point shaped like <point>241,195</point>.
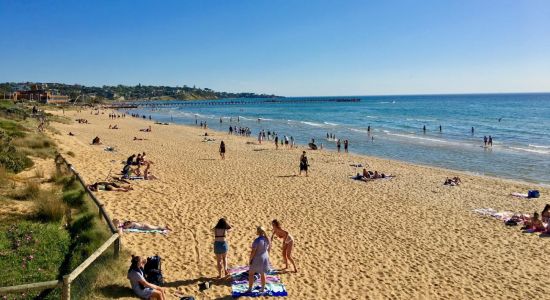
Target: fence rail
<point>69,278</point>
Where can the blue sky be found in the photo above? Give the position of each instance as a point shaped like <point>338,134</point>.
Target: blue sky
<point>292,47</point>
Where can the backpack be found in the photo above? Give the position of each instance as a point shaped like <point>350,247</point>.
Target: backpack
<point>153,271</point>
<point>533,194</point>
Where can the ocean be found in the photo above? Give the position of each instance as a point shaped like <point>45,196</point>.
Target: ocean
<point>518,123</point>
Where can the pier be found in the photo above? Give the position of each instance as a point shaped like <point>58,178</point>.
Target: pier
<point>230,102</point>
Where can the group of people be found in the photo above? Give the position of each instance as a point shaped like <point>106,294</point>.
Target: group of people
<point>243,131</point>
<point>339,145</point>
<point>452,181</point>
<point>370,175</point>
<point>137,161</point>
<point>82,121</point>
<point>539,222</point>
<point>113,126</point>
<point>116,116</point>
<point>260,250</point>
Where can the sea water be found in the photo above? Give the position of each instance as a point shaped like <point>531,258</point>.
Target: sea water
<point>518,123</point>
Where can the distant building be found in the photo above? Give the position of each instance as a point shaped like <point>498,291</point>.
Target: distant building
<point>41,93</point>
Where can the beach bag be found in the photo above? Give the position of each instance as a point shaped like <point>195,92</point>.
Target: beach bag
<point>153,271</point>
<point>533,194</point>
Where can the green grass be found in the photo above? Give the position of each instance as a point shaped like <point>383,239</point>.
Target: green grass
<point>31,252</point>
<point>12,128</point>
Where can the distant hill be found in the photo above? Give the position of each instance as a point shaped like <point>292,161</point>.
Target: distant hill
<point>125,92</point>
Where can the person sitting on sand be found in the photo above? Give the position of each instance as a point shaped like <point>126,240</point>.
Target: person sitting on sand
<point>71,134</point>
<point>96,141</point>
<point>534,224</point>
<point>452,181</point>
<point>259,259</point>
<point>545,214</point>
<point>288,243</point>
<point>220,246</point>
<point>147,175</point>
<point>108,186</point>
<point>140,286</point>
<point>139,139</point>
<point>139,226</point>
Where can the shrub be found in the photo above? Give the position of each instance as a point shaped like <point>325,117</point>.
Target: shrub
<point>30,192</point>
<point>4,177</point>
<point>74,198</point>
<point>39,173</point>
<point>50,208</point>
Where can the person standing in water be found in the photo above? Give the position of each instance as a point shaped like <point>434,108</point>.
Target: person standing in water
<point>424,129</point>
<point>490,142</point>
<point>485,141</point>
<point>304,164</point>
<point>346,143</point>
<point>222,150</point>
<point>440,129</point>
<point>472,130</point>
<point>338,145</point>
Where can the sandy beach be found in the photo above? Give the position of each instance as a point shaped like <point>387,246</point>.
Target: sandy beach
<point>409,237</point>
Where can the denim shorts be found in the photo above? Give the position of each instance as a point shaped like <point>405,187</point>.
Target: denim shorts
<point>220,247</point>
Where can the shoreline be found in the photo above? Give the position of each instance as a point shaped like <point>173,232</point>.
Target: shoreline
<point>400,238</point>
<point>305,147</point>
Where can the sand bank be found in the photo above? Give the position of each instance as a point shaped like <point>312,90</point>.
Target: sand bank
<point>405,238</point>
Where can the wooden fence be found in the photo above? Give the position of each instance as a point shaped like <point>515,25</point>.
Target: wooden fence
<point>69,278</point>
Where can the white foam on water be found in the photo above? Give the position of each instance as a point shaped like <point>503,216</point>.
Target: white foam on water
<point>359,130</point>
<point>539,146</point>
<point>332,124</point>
<point>531,150</point>
<point>312,124</point>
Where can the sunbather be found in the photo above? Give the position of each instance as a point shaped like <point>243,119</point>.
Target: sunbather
<point>108,186</point>
<point>96,141</point>
<point>534,224</point>
<point>140,226</point>
<point>545,214</point>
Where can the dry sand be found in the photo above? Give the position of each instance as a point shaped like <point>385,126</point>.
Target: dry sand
<point>405,238</point>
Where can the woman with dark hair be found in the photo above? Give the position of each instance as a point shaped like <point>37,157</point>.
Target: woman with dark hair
<point>288,243</point>
<point>222,150</point>
<point>545,214</point>
<point>220,245</point>
<point>304,164</point>
<point>140,286</point>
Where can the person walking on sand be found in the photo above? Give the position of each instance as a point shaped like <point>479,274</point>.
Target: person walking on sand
<point>222,150</point>
<point>288,243</point>
<point>276,142</point>
<point>259,259</point>
<point>303,163</point>
<point>220,246</point>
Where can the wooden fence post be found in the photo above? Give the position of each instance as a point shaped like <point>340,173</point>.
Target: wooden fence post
<point>117,247</point>
<point>66,293</point>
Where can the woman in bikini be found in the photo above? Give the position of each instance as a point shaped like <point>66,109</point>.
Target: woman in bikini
<point>288,243</point>
<point>140,226</point>
<point>220,246</point>
<point>545,214</point>
<point>534,224</point>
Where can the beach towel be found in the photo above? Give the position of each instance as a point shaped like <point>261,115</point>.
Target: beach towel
<point>499,215</point>
<point>239,284</point>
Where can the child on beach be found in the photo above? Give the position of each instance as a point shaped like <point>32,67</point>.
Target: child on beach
<point>220,246</point>
<point>288,243</point>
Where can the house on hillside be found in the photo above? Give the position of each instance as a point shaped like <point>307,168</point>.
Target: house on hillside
<point>41,93</point>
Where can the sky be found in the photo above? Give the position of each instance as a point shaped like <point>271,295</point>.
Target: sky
<point>290,48</point>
